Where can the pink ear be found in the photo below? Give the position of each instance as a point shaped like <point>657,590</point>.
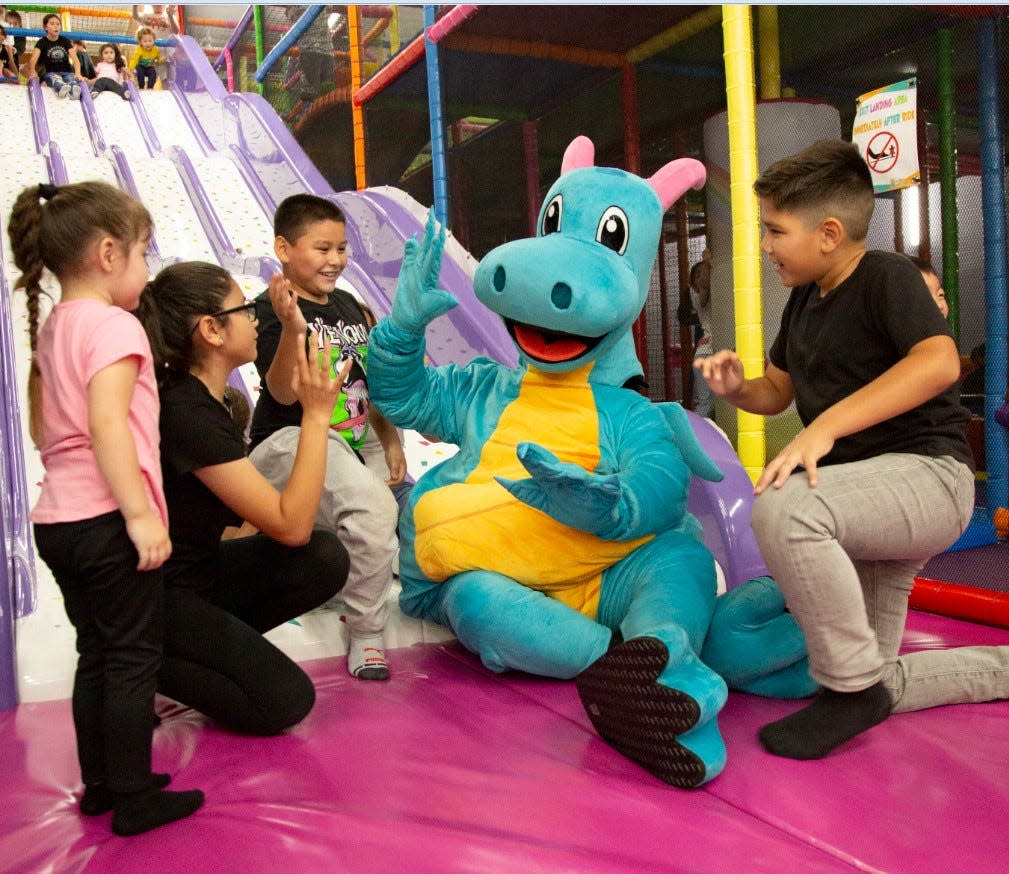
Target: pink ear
<point>580,153</point>
<point>672,181</point>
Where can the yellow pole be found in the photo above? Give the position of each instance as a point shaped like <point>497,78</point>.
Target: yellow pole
<point>770,52</point>
<point>737,33</point>
<point>394,32</point>
<point>354,34</point>
<point>687,28</point>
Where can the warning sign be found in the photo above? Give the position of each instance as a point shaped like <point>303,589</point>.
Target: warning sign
<point>886,133</point>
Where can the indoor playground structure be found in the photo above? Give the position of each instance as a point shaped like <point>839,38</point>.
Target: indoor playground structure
<point>448,767</point>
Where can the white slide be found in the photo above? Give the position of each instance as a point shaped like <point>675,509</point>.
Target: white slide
<point>203,209</point>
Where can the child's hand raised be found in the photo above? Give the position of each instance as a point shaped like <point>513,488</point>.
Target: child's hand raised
<point>723,372</point>
<point>285,304</point>
<point>313,383</point>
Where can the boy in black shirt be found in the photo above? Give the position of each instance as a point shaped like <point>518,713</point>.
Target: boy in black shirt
<point>59,58</point>
<point>887,480</point>
<point>357,504</point>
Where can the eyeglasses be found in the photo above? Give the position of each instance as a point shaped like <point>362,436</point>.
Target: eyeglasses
<point>249,308</point>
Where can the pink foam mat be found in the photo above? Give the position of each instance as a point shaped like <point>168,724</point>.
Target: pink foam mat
<point>449,768</point>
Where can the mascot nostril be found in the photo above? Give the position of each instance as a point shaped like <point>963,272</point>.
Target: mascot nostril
<point>557,540</point>
<point>560,297</point>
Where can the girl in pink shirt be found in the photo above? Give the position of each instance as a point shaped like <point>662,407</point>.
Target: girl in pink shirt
<point>111,72</point>
<point>100,523</point>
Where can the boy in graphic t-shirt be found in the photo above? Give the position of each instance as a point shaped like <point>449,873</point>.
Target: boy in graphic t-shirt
<point>357,503</point>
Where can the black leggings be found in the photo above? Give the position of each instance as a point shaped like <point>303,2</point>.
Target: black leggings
<point>107,84</point>
<point>118,613</point>
<point>216,659</point>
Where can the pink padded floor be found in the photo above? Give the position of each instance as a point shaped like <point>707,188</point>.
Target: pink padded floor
<point>449,768</point>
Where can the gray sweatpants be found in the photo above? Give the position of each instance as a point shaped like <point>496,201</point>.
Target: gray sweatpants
<point>359,508</point>
<point>845,555</point>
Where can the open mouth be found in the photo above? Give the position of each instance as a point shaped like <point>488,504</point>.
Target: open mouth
<point>551,347</point>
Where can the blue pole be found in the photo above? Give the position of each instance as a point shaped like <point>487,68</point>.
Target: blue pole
<point>434,103</point>
<point>86,36</point>
<point>288,40</point>
<point>993,211</point>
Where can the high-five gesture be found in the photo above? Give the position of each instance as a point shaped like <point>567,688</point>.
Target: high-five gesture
<point>314,384</point>
<point>418,299</point>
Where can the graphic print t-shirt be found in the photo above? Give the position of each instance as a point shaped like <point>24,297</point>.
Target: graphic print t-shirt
<point>55,54</point>
<point>342,320</point>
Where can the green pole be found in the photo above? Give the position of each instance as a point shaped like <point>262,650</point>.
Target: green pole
<point>947,181</point>
<point>257,17</point>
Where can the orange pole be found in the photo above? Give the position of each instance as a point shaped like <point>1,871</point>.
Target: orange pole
<point>356,66</point>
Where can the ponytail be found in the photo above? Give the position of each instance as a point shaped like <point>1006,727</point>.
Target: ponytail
<point>23,229</point>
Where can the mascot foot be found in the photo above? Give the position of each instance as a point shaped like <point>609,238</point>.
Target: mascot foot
<point>663,729</point>
<point>756,645</point>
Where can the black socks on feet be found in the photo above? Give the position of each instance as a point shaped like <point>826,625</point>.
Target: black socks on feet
<point>98,798</point>
<point>137,812</point>
<point>832,719</point>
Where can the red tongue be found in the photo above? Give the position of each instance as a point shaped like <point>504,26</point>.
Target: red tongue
<point>535,344</point>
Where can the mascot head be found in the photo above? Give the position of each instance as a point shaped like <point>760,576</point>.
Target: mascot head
<point>569,295</point>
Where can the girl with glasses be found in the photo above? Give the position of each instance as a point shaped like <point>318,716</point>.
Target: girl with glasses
<point>221,596</point>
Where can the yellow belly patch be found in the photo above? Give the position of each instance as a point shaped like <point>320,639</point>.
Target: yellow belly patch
<point>477,524</point>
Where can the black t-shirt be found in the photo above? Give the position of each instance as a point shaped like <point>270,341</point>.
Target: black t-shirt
<point>834,345</point>
<point>343,319</point>
<point>196,431</point>
<point>55,57</point>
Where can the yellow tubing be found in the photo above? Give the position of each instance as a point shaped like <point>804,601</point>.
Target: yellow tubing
<point>677,33</point>
<point>770,52</point>
<point>742,112</point>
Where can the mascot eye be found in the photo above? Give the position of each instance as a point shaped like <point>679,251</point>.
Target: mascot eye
<point>552,215</point>
<point>612,231</point>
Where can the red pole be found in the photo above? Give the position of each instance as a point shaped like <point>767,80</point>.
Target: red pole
<point>668,370</point>
<point>530,145</point>
<point>632,163</point>
<point>683,277</point>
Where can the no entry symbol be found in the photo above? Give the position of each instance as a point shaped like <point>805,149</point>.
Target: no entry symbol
<point>882,152</point>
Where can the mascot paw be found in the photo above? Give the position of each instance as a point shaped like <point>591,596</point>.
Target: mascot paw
<point>630,697</point>
<point>567,493</point>
<point>418,300</point>
<point>757,646</point>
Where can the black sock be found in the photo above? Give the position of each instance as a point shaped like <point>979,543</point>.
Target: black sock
<point>832,719</point>
<point>137,812</point>
<point>98,798</point>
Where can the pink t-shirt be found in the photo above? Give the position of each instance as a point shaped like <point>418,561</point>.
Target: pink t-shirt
<point>80,338</point>
<point>105,70</point>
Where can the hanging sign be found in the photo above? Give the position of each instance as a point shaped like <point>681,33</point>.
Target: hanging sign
<point>886,133</point>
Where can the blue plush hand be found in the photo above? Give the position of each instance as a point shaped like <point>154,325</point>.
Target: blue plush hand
<point>418,299</point>
<point>568,493</point>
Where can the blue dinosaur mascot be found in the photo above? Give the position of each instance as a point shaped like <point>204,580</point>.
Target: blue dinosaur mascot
<point>557,540</point>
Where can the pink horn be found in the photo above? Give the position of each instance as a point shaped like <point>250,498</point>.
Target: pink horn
<point>580,153</point>
<point>675,179</point>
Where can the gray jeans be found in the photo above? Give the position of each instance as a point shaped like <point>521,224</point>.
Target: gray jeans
<point>845,555</point>
<point>359,508</point>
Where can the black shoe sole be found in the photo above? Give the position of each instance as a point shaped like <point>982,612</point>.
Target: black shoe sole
<point>637,716</point>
